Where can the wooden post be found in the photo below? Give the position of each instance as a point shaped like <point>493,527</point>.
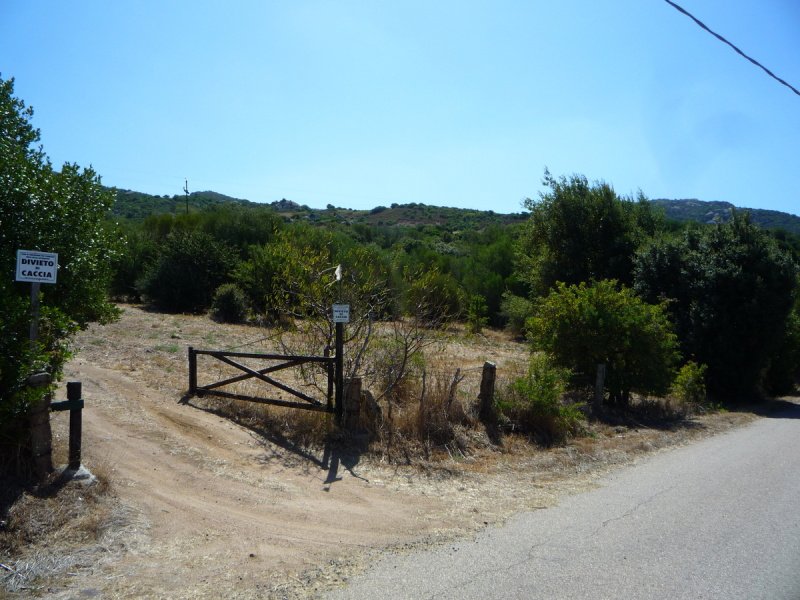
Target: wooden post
<point>192,372</point>
<point>75,424</point>
<point>599,387</point>
<point>486,395</point>
<point>352,405</point>
<point>34,331</point>
<point>339,373</point>
<point>330,370</point>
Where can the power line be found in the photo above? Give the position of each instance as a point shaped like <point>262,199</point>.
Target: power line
<point>722,39</point>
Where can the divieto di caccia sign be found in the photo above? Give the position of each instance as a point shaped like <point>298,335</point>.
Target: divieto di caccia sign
<point>37,267</point>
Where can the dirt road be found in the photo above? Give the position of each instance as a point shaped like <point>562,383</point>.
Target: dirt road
<point>206,508</point>
<point>214,511</point>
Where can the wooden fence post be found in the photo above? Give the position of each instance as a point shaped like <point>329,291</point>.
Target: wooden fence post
<point>339,373</point>
<point>352,405</point>
<point>486,395</point>
<point>599,387</point>
<point>192,372</point>
<point>75,424</point>
<point>40,431</point>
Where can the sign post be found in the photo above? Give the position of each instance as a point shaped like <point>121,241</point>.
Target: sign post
<point>341,315</point>
<point>37,268</point>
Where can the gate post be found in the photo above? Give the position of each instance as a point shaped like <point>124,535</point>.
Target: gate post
<point>599,386</point>
<point>486,395</point>
<point>75,424</point>
<point>192,372</point>
<point>352,405</point>
<point>339,375</point>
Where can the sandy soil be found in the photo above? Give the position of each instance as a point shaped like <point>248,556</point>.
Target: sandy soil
<point>205,508</point>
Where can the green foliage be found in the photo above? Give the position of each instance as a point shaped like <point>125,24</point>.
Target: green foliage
<point>476,314</point>
<point>534,403</point>
<point>138,252</point>
<point>783,373</point>
<point>587,325</point>
<point>516,310</point>
<point>690,384</point>
<point>433,297</point>
<point>580,232</point>
<point>229,304</point>
<point>730,291</point>
<point>52,211</point>
<point>190,266</point>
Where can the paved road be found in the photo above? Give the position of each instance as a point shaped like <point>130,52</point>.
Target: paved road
<point>717,519</point>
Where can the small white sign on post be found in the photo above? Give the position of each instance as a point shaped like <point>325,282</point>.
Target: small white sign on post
<point>37,267</point>
<point>341,313</point>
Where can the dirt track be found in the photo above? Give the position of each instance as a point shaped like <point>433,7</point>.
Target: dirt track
<point>217,511</point>
<point>205,508</point>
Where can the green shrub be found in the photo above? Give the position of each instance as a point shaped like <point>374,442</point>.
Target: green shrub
<point>476,314</point>
<point>229,304</point>
<point>534,404</point>
<point>516,310</point>
<point>690,384</point>
<point>583,326</point>
<point>189,267</point>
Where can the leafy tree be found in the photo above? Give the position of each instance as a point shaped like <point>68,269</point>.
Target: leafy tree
<point>583,326</point>
<point>53,211</point>
<point>581,232</point>
<point>730,291</point>
<point>190,266</point>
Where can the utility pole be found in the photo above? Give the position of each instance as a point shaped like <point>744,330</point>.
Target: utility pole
<point>186,192</point>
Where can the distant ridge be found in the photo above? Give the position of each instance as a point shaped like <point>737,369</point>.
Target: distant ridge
<point>702,211</point>
<point>137,205</point>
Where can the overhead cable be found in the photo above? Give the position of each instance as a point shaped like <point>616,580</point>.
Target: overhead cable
<point>722,39</point>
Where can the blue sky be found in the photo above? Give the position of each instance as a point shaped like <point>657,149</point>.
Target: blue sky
<point>465,103</point>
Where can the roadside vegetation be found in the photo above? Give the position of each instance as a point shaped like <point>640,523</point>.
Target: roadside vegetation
<point>683,317</point>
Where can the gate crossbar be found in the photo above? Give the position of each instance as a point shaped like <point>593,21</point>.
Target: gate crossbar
<point>261,374</point>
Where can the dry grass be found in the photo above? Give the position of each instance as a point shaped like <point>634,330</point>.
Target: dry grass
<point>48,528</point>
<point>428,422</point>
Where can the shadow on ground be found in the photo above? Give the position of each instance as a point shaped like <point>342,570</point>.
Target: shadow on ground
<point>340,450</point>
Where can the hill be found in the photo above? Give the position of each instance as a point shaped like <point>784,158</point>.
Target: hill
<point>710,212</point>
<point>137,205</point>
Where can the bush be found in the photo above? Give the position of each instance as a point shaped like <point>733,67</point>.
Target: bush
<point>533,404</point>
<point>476,314</point>
<point>434,298</point>
<point>583,326</point>
<point>190,266</point>
<point>229,304</point>
<point>516,310</point>
<point>689,386</point>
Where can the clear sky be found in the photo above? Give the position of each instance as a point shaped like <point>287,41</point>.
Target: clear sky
<point>452,103</point>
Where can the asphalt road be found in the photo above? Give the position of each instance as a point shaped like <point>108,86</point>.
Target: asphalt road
<point>716,519</point>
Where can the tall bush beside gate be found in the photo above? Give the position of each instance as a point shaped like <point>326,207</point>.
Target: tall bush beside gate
<point>585,325</point>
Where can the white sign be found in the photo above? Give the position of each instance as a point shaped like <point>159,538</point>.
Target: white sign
<point>37,267</point>
<point>341,313</point>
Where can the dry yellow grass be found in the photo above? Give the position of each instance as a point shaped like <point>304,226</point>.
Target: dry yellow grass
<point>454,487</point>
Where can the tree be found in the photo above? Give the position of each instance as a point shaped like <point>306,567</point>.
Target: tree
<point>730,291</point>
<point>189,268</point>
<point>583,326</point>
<point>581,232</point>
<point>53,211</point>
